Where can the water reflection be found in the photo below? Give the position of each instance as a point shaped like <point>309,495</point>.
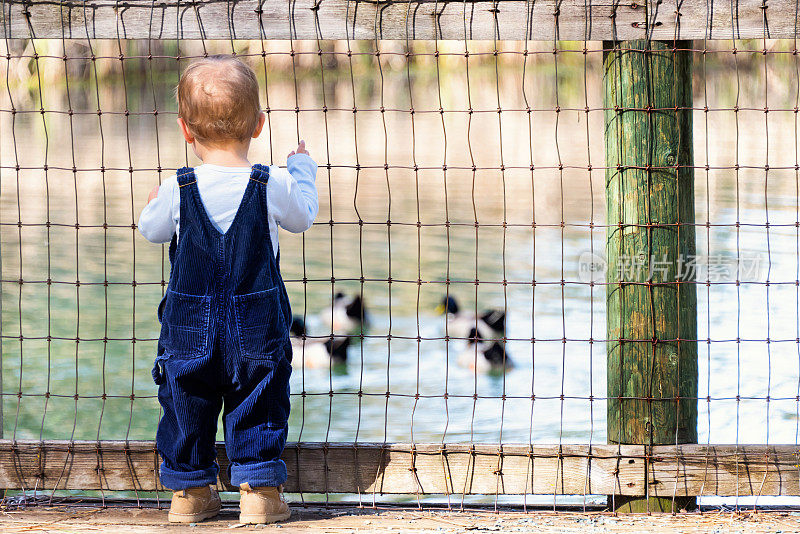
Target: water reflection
<point>413,223</point>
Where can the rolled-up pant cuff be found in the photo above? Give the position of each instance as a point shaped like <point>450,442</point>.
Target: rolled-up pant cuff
<point>259,475</point>
<point>180,480</point>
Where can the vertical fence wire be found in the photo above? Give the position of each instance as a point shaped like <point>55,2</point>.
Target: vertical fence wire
<point>586,118</point>
<point>738,255</point>
<point>797,218</point>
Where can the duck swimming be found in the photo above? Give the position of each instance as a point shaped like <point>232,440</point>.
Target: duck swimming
<point>484,356</point>
<point>346,316</point>
<point>490,324</point>
<point>316,353</point>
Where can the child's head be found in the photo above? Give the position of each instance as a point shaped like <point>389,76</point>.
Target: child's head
<point>218,102</point>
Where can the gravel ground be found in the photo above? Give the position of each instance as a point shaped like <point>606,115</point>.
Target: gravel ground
<point>121,519</point>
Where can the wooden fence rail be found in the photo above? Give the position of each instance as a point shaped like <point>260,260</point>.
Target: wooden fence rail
<point>544,20</point>
<point>631,470</point>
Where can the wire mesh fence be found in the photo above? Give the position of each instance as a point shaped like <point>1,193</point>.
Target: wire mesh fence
<point>474,171</point>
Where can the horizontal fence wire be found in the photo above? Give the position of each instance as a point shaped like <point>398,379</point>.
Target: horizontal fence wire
<point>474,170</point>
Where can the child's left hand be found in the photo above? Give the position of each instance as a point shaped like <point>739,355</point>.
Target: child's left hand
<point>153,194</point>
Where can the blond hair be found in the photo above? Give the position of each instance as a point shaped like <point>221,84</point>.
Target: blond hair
<point>218,100</point>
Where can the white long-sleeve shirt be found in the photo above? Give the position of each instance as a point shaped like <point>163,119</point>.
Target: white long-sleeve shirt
<point>292,200</point>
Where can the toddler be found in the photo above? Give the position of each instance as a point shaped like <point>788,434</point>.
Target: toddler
<point>225,317</point>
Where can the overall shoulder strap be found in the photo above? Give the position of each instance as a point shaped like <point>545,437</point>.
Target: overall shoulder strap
<point>185,176</point>
<point>260,175</point>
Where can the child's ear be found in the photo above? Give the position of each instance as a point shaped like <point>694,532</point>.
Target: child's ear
<point>187,135</point>
<point>262,118</point>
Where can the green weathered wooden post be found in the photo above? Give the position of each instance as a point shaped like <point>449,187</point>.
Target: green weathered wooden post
<point>651,297</point>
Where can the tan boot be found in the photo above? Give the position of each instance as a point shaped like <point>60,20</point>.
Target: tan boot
<point>194,504</point>
<point>262,505</point>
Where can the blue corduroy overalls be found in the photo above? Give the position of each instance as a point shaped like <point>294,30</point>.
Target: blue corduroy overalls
<point>224,336</point>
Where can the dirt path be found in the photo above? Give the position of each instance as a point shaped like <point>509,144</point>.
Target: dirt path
<point>87,519</point>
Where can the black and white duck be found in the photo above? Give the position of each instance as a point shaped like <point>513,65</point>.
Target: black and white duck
<point>484,356</point>
<point>346,316</point>
<point>490,324</point>
<point>316,353</point>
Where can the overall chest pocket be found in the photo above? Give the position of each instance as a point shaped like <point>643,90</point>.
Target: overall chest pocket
<point>184,323</point>
<point>260,324</point>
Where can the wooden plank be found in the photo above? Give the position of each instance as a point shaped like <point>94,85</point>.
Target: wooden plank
<point>682,470</point>
<point>546,20</point>
<point>78,465</point>
<point>724,470</point>
<point>459,468</point>
<point>347,468</point>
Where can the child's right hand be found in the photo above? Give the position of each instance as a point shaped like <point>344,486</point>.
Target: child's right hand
<point>301,149</point>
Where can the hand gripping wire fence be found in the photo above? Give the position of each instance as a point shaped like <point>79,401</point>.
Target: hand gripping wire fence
<point>606,197</point>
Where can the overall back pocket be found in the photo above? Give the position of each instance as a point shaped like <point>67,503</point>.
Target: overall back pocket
<point>184,324</point>
<point>260,324</point>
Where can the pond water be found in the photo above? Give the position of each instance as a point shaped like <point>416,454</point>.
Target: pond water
<point>403,382</point>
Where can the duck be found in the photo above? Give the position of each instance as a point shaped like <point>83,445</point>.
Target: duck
<point>484,356</point>
<point>490,324</point>
<point>346,316</point>
<point>316,353</point>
